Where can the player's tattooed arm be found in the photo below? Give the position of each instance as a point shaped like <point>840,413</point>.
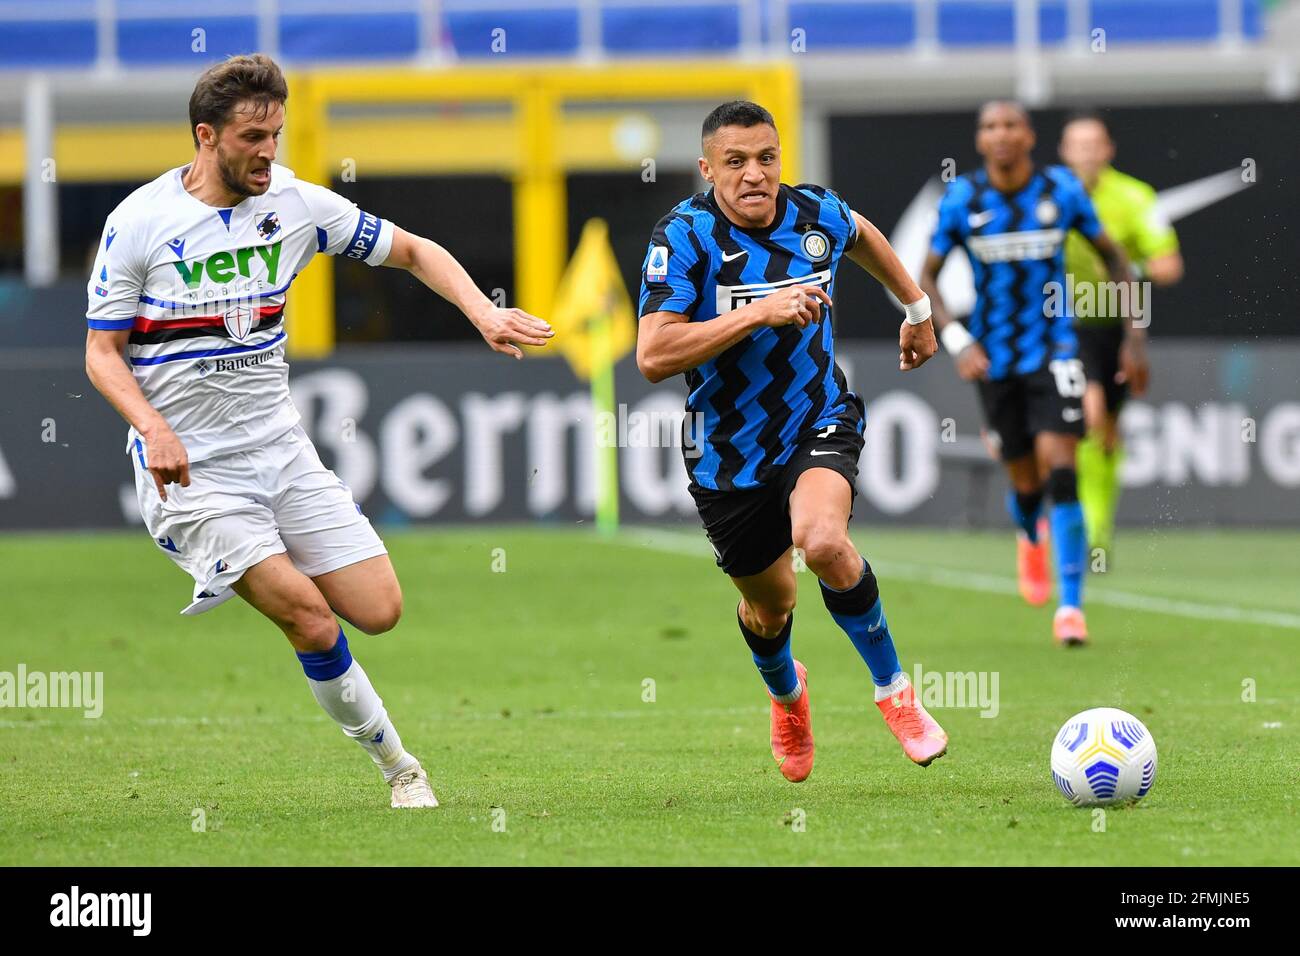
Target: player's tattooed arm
<point>969,356</point>
<point>1134,369</point>
<point>872,251</point>
<point>107,371</point>
<point>503,329</point>
<point>669,343</point>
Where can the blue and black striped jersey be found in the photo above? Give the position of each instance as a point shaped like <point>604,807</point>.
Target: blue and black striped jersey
<point>1016,245</point>
<point>748,404</point>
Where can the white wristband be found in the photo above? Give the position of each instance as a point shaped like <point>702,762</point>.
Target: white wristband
<point>918,311</point>
<point>955,338</point>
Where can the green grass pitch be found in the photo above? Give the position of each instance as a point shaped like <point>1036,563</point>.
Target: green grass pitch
<point>523,693</point>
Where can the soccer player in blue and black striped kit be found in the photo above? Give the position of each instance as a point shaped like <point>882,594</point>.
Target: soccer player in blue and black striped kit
<point>736,295</point>
<point>1021,348</point>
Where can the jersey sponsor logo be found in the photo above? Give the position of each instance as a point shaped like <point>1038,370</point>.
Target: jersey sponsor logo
<point>206,366</point>
<point>1016,246</point>
<point>364,239</point>
<point>268,226</point>
<point>731,297</point>
<point>656,269</point>
<point>243,362</point>
<point>225,265</point>
<point>815,245</point>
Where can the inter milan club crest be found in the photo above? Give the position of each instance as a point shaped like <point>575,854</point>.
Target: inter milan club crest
<point>1047,212</point>
<point>239,322</point>
<point>815,245</point>
<point>268,226</point>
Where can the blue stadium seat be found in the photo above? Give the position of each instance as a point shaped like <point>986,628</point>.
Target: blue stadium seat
<point>1157,21</point>
<point>707,28</point>
<point>854,25</point>
<point>539,33</point>
<point>30,41</point>
<point>368,36</point>
<point>157,40</point>
<point>68,43</point>
<point>993,22</point>
<point>148,32</point>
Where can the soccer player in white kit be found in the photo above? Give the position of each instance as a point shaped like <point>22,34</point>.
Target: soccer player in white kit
<point>190,281</point>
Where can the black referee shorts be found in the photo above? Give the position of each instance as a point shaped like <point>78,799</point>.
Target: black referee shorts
<point>749,528</point>
<point>1099,348</point>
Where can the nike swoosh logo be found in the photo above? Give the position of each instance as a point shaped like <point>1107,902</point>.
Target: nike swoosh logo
<point>815,453</point>
<point>1179,202</point>
<point>734,255</point>
<point>978,219</point>
<point>872,628</point>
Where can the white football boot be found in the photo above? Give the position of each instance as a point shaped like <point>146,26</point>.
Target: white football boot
<point>411,789</point>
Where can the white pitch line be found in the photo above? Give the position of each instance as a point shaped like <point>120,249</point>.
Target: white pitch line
<point>648,710</point>
<point>678,543</point>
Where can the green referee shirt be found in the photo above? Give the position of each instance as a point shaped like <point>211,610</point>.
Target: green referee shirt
<point>1127,210</point>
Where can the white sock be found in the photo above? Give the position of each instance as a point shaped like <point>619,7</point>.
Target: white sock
<point>351,700</point>
<point>895,686</point>
<point>791,697</point>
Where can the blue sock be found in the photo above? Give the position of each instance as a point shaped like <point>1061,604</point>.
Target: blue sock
<point>1068,535</point>
<point>859,612</point>
<point>327,665</point>
<point>1071,551</point>
<point>1024,510</point>
<point>773,659</point>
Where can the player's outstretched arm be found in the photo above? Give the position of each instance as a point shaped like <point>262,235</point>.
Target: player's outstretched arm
<point>503,329</point>
<point>872,251</point>
<point>1134,368</point>
<point>168,461</point>
<point>969,356</point>
<point>1165,270</point>
<point>669,343</point>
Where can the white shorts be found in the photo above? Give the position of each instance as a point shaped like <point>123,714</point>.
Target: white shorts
<point>244,507</point>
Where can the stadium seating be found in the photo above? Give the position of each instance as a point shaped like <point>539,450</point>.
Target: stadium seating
<point>65,33</point>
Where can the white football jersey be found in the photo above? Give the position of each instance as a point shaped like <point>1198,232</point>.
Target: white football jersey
<point>203,291</point>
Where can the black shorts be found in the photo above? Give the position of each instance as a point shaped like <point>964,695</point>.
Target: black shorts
<point>1018,407</point>
<point>749,528</point>
<point>1099,348</point>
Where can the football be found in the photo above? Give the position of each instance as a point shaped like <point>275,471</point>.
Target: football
<point>1103,756</point>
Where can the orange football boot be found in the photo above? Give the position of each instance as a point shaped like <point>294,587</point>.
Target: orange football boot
<point>1069,627</point>
<point>792,738</point>
<point>922,738</point>
<point>1031,566</point>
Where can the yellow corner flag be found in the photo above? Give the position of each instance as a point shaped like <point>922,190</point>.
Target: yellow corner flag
<point>592,305</point>
<point>594,328</point>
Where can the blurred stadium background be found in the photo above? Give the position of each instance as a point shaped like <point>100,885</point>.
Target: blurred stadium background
<point>502,127</point>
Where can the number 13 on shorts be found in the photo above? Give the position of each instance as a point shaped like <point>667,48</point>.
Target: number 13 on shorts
<point>1070,379</point>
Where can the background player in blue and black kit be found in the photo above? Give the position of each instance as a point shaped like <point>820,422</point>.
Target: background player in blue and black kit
<point>737,296</point>
<point>1021,348</point>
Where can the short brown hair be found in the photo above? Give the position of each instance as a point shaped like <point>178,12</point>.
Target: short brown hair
<point>239,79</point>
